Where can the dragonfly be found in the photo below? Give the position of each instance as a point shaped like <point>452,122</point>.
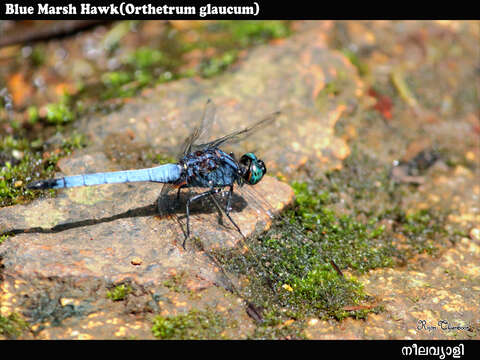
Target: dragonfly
<point>203,164</point>
<point>200,164</point>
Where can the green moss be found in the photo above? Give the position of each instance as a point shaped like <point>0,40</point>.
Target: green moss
<point>24,158</point>
<point>73,142</point>
<point>296,279</point>
<point>216,65</point>
<point>12,326</point>
<point>15,172</point>
<point>148,66</point>
<point>33,115</point>
<point>59,113</point>
<point>324,292</point>
<point>115,79</point>
<point>145,57</point>
<point>423,229</point>
<point>250,32</point>
<point>142,67</point>
<point>362,67</point>
<point>352,217</point>
<point>334,92</point>
<point>417,222</point>
<point>119,292</point>
<point>38,56</point>
<point>176,282</point>
<point>3,238</point>
<point>116,85</point>
<point>195,324</point>
<point>351,243</point>
<point>331,88</point>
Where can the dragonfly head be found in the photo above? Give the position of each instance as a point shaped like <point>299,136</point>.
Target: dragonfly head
<point>253,168</point>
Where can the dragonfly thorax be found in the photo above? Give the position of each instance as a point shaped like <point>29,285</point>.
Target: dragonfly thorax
<point>253,169</point>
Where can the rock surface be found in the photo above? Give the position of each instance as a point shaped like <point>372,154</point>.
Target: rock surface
<point>70,249</point>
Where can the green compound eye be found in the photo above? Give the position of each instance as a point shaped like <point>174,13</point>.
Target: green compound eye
<point>255,168</point>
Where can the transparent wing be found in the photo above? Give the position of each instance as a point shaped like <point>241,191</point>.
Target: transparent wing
<point>167,202</point>
<point>197,140</point>
<point>170,206</point>
<point>241,135</point>
<point>201,131</point>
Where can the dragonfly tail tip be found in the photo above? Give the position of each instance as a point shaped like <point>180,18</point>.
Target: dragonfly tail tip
<point>42,184</point>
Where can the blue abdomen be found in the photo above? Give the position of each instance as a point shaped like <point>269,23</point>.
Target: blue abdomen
<point>168,173</point>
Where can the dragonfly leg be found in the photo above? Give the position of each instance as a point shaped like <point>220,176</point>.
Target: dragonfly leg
<point>234,224</point>
<point>195,198</point>
<point>228,209</point>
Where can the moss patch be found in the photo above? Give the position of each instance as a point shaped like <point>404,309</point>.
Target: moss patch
<point>23,158</point>
<point>348,222</point>
<point>215,47</point>
<point>119,292</point>
<point>298,265</point>
<point>12,326</point>
<point>194,324</point>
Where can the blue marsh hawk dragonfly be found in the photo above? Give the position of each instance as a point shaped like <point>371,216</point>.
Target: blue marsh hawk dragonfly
<point>200,165</point>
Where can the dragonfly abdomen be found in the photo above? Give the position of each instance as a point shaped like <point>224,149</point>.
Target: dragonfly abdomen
<point>167,173</point>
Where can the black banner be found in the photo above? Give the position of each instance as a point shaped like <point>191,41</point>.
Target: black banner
<point>329,349</point>
<point>215,9</point>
